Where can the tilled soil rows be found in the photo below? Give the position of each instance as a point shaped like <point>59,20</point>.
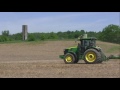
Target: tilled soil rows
<point>41,60</point>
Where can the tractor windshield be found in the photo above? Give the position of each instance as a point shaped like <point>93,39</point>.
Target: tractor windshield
<point>88,42</point>
<point>85,42</point>
<point>92,42</point>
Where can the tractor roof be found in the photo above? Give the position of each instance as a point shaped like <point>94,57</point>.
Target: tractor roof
<point>89,38</point>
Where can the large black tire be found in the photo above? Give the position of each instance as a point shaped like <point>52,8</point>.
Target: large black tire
<point>70,58</point>
<point>92,56</point>
<point>102,54</point>
<point>100,61</point>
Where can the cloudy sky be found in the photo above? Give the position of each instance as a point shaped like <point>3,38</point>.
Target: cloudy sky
<point>57,21</point>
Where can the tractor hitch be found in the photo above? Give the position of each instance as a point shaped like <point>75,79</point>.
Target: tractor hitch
<point>114,57</point>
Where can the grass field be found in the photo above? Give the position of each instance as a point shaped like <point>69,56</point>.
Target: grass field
<point>41,60</point>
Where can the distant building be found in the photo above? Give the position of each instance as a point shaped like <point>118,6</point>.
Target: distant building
<point>25,32</point>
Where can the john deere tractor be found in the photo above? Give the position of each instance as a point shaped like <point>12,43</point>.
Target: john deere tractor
<point>85,50</point>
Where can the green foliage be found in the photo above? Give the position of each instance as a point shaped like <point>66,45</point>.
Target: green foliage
<point>17,36</point>
<point>43,37</point>
<point>52,35</point>
<point>4,38</point>
<point>110,33</point>
<point>31,37</point>
<point>5,33</point>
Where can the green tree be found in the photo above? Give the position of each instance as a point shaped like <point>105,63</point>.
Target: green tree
<point>76,34</point>
<point>5,33</point>
<point>82,32</point>
<point>31,37</point>
<point>43,37</point>
<point>4,38</point>
<point>17,36</point>
<point>110,33</point>
<point>53,35</point>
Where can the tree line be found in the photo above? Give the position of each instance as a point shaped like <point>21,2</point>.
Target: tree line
<point>110,33</point>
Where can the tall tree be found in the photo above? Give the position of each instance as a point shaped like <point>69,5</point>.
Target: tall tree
<point>5,33</point>
<point>111,33</point>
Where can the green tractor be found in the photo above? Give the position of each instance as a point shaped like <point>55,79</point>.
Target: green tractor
<point>86,50</point>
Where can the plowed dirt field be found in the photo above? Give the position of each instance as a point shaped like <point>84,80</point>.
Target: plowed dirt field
<point>41,60</point>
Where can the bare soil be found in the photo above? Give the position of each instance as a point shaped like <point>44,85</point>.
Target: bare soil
<point>41,60</point>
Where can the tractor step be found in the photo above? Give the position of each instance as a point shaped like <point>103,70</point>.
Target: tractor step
<point>61,56</point>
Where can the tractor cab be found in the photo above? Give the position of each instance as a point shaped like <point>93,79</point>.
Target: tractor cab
<point>86,43</point>
<point>89,42</point>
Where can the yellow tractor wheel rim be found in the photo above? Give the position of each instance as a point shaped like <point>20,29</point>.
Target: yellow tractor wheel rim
<point>90,56</point>
<point>68,58</point>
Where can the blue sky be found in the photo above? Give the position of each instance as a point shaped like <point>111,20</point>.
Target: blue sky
<point>57,21</point>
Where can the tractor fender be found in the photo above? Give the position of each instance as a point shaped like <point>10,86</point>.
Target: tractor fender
<point>73,54</point>
<point>96,49</point>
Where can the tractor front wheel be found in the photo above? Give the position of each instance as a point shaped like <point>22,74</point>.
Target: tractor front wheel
<point>69,58</point>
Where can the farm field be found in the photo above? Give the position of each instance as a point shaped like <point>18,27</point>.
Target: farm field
<point>41,60</point>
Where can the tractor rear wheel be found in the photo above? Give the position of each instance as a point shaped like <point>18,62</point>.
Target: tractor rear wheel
<point>92,56</point>
<point>102,54</point>
<point>69,58</point>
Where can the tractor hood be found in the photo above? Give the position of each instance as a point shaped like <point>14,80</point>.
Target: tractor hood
<point>72,47</point>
